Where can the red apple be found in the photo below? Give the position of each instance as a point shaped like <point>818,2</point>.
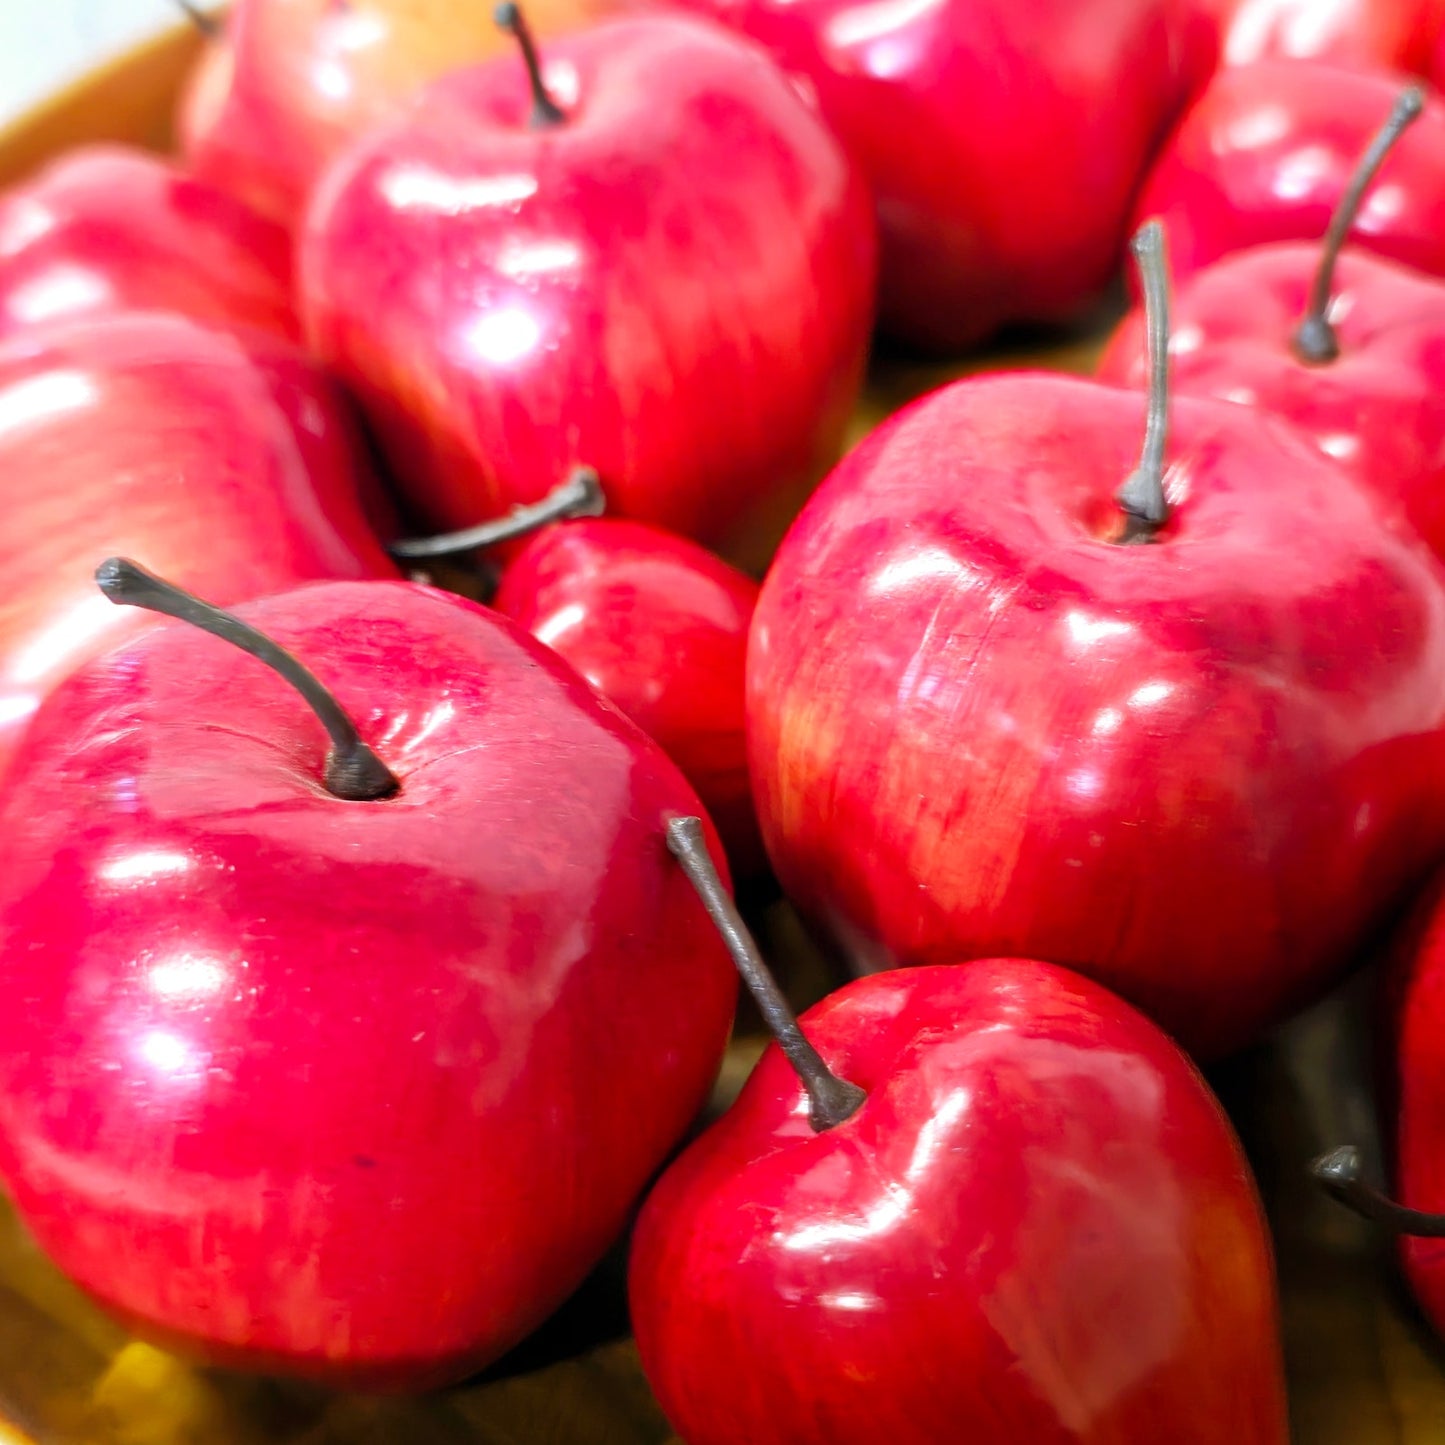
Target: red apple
<point>349,1066</point>
<point>668,276</point>
<point>228,462</point>
<point>294,82</point>
<point>110,229</point>
<point>1030,1222</point>
<point>657,624</point>
<point>1003,139</point>
<point>1257,328</point>
<point>1200,769</point>
<point>1267,152</point>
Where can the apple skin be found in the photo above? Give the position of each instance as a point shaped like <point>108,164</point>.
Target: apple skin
<point>106,228</point>
<point>979,125</point>
<point>659,627</point>
<point>674,287</point>
<point>227,463</point>
<point>292,83</point>
<point>1199,771</point>
<point>1267,152</point>
<point>1374,409</point>
<point>352,1090</point>
<point>1393,34</point>
<point>1039,1227</point>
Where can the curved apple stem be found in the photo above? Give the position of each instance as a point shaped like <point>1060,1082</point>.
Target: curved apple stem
<point>1141,498</point>
<point>831,1100</point>
<point>545,110</point>
<point>207,24</point>
<point>1341,1172</point>
<point>1315,342</point>
<point>353,770</point>
<point>579,496</point>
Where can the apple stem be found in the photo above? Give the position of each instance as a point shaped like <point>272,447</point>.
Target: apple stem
<point>579,496</point>
<point>1315,342</point>
<point>831,1100</point>
<point>545,110</point>
<point>1341,1173</point>
<point>207,24</point>
<point>353,770</point>
<point>1141,498</point>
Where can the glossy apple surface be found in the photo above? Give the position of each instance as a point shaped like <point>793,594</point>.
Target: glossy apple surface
<point>1394,34</point>
<point>1267,152</point>
<point>110,229</point>
<point>294,82</point>
<point>347,1089</point>
<point>1039,1227</point>
<point>658,626</point>
<point>1198,770</point>
<point>981,128</point>
<point>1374,409</point>
<point>226,463</point>
<point>673,286</point>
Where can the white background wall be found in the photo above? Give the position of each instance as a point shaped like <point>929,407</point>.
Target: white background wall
<point>45,43</point>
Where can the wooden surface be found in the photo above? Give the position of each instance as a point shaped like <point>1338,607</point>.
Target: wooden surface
<point>1363,1368</point>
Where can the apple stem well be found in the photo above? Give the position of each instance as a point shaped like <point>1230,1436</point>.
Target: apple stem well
<point>1341,1173</point>
<point>353,770</point>
<point>1315,342</point>
<point>1141,498</point>
<point>579,496</point>
<point>831,1100</point>
<point>545,110</point>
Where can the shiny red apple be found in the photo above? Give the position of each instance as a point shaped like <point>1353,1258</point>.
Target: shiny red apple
<point>347,1063</point>
<point>230,463</point>
<point>1267,152</point>
<point>293,82</point>
<point>1003,140</point>
<point>1350,349</point>
<point>663,271</point>
<point>110,229</point>
<point>1200,768</point>
<point>1031,1221</point>
<point>657,624</point>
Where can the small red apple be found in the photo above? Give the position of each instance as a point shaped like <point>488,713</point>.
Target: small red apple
<point>109,229</point>
<point>657,624</point>
<point>292,83</point>
<point>1007,1226</point>
<point>1267,153</point>
<point>1349,349</point>
<point>344,1028</point>
<point>229,462</point>
<point>1003,141</point>
<point>1200,769</point>
<point>664,271</point>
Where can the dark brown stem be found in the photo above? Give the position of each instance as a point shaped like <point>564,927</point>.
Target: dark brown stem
<point>579,496</point>
<point>353,771</point>
<point>1341,1172</point>
<point>1141,498</point>
<point>207,24</point>
<point>831,1100</point>
<point>545,110</point>
<point>1315,342</point>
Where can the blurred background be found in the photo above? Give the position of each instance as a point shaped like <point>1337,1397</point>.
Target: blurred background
<point>46,45</point>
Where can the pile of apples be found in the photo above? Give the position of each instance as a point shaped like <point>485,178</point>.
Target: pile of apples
<point>368,944</point>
